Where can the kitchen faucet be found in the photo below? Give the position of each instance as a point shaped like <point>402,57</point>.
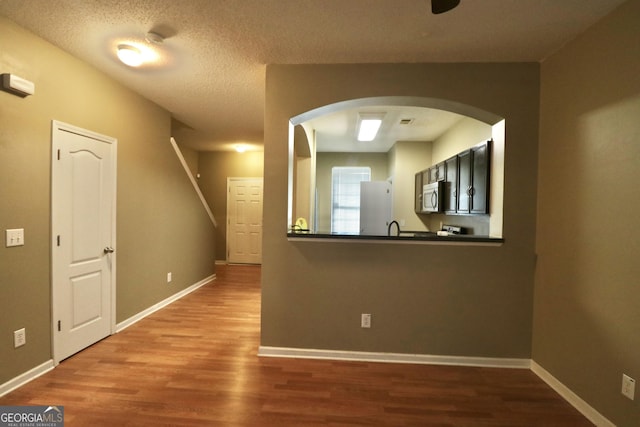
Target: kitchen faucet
<point>397,228</point>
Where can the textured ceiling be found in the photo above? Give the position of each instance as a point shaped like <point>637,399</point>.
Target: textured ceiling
<point>211,68</point>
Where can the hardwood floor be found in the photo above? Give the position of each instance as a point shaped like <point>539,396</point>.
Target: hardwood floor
<point>194,363</point>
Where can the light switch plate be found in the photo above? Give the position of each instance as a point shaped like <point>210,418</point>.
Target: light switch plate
<point>15,237</point>
<point>365,320</point>
<point>628,386</point>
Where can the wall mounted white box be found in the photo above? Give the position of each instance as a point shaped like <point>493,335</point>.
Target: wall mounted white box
<point>15,237</point>
<point>17,85</point>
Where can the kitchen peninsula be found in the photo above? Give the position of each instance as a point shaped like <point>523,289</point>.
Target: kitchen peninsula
<point>404,237</point>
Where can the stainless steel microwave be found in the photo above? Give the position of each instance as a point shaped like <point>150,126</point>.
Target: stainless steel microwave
<point>432,197</point>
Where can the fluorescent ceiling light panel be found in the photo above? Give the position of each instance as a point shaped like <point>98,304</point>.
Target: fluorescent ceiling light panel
<point>368,125</point>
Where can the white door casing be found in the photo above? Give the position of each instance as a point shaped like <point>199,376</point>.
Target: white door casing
<point>244,220</point>
<point>83,195</point>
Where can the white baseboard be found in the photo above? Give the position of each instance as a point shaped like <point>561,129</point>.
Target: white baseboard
<point>133,319</point>
<point>24,378</point>
<point>573,399</point>
<point>362,356</point>
<point>585,409</point>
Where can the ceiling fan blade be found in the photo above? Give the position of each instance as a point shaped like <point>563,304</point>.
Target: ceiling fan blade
<point>442,6</point>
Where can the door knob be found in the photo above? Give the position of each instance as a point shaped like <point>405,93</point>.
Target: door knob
<point>108,250</point>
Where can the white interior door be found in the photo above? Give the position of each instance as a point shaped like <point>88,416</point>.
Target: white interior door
<point>83,237</point>
<point>244,220</point>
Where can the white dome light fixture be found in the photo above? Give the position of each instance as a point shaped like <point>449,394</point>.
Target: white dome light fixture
<point>130,55</point>
<point>136,53</point>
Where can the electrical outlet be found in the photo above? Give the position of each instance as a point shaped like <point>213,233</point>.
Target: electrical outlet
<point>169,277</point>
<point>628,386</point>
<point>19,338</point>
<point>365,320</point>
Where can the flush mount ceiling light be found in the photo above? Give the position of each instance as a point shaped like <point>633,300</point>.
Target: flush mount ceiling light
<point>241,148</point>
<point>130,55</point>
<point>135,52</point>
<point>368,125</point>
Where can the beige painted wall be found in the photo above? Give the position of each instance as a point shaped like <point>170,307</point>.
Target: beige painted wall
<point>303,193</point>
<point>407,158</point>
<point>587,293</point>
<point>161,225</point>
<point>462,136</point>
<point>304,172</point>
<point>191,157</point>
<point>448,300</point>
<point>215,167</point>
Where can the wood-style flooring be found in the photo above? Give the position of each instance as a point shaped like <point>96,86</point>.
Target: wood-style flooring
<point>194,363</point>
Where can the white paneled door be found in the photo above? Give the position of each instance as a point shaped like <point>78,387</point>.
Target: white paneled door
<point>83,238</point>
<point>244,220</point>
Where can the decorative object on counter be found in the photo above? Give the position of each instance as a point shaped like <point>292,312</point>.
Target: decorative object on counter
<point>300,226</point>
<point>453,229</point>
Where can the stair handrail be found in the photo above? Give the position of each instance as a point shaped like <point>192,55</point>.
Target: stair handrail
<point>193,180</point>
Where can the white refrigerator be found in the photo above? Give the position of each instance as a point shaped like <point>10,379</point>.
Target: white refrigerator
<point>376,206</point>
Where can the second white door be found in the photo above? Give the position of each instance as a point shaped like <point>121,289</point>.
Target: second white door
<point>244,220</point>
<point>83,228</point>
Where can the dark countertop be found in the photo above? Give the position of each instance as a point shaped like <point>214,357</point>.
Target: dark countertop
<point>405,237</point>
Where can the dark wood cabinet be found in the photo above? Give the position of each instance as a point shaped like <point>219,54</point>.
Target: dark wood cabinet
<point>436,173</point>
<point>418,193</point>
<point>480,173</point>
<point>451,185</point>
<point>425,176</point>
<point>466,181</point>
<point>473,179</point>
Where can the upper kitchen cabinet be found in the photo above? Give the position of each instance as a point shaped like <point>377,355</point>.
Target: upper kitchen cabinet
<point>436,173</point>
<point>473,179</point>
<point>418,193</point>
<point>451,185</point>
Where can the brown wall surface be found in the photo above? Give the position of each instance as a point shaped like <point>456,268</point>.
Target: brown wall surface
<point>161,225</point>
<point>440,300</point>
<point>587,298</point>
